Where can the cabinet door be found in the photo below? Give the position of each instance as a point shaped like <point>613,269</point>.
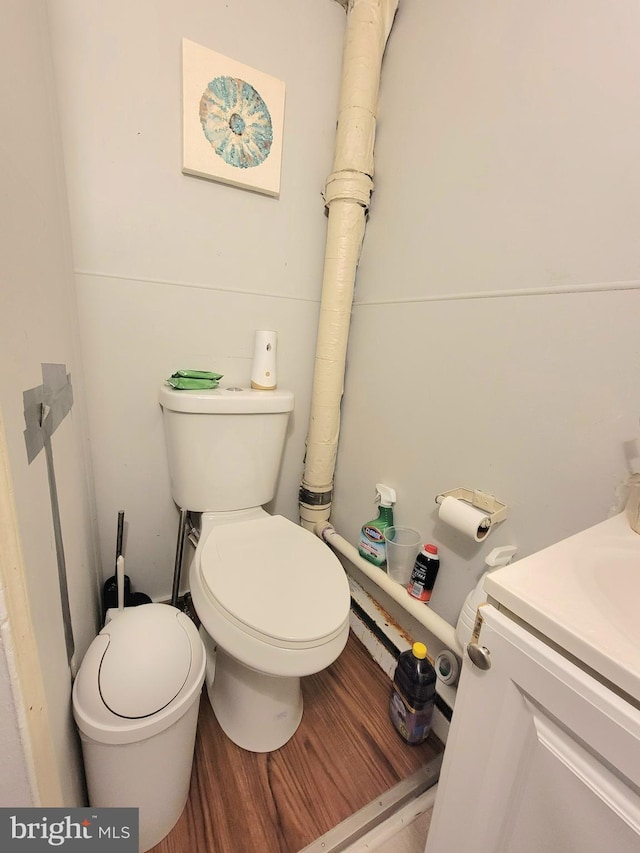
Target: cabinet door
<point>541,757</point>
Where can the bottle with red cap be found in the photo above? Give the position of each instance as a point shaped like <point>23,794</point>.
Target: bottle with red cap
<point>424,573</point>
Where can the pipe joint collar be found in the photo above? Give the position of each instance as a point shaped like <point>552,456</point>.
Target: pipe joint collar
<point>349,186</point>
<point>312,515</point>
<point>314,499</point>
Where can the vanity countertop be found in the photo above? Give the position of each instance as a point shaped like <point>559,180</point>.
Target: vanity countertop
<point>583,594</point>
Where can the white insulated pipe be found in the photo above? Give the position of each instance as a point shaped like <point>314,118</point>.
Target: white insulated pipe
<point>347,195</point>
<point>427,617</point>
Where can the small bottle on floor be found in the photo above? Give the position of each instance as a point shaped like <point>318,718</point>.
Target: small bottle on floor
<point>413,695</point>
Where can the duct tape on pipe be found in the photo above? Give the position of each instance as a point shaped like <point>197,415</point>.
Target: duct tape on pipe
<point>310,498</point>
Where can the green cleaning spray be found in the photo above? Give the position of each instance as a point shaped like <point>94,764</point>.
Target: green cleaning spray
<point>371,544</point>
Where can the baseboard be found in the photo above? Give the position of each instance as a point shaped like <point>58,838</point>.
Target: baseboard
<point>384,639</point>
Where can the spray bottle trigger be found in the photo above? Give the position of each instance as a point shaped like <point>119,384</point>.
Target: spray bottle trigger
<point>385,495</point>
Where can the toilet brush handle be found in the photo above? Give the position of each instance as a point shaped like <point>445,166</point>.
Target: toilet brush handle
<point>120,535</point>
<point>120,581</point>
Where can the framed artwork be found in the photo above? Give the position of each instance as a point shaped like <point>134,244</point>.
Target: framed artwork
<point>233,119</point>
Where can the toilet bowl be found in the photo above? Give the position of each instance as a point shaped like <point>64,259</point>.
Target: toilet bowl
<point>275,602</point>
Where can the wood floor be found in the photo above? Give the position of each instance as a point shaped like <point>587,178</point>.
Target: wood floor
<point>344,754</point>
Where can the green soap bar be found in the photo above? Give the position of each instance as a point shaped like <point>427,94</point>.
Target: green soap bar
<point>197,374</point>
<point>182,383</point>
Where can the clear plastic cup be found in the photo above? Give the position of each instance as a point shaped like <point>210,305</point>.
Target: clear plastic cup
<point>403,545</point>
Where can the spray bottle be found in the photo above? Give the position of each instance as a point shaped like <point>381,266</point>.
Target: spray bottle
<point>371,544</point>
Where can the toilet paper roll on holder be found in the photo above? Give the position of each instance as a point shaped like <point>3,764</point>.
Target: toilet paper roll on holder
<point>495,509</point>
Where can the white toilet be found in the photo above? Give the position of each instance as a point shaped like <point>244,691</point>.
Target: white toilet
<point>272,598</point>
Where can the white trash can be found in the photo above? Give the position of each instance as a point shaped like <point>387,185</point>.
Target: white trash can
<point>135,702</point>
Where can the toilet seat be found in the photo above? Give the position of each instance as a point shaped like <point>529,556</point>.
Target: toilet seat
<point>275,581</point>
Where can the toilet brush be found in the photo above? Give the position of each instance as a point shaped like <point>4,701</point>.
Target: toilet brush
<point>114,588</point>
<point>110,588</point>
<point>113,612</point>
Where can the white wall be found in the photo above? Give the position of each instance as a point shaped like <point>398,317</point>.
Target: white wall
<point>38,324</point>
<point>175,271</point>
<point>495,338</point>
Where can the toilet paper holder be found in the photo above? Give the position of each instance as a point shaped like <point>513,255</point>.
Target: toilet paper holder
<point>497,511</point>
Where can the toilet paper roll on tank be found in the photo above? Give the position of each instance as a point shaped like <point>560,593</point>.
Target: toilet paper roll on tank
<point>471,513</point>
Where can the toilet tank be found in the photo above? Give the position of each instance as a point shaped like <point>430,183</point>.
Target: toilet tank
<point>224,446</point>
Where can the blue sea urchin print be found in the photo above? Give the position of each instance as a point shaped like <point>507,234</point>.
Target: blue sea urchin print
<point>236,121</point>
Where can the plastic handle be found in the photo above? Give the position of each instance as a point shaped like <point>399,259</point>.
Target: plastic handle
<point>120,581</point>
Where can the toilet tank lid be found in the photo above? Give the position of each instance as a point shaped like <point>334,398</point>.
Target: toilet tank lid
<point>231,400</point>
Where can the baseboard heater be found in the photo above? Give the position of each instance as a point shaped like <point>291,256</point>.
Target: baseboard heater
<point>392,649</point>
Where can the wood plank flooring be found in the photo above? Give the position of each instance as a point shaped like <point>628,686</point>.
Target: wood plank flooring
<point>344,754</point>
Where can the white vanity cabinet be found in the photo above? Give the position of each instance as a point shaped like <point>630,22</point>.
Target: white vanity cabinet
<point>541,757</point>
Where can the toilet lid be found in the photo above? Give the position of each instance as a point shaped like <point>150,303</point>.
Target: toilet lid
<point>147,660</point>
<point>277,579</point>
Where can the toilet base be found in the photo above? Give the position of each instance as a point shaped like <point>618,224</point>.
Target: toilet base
<point>258,712</point>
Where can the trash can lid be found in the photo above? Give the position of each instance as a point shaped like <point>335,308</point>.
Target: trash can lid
<point>147,660</point>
